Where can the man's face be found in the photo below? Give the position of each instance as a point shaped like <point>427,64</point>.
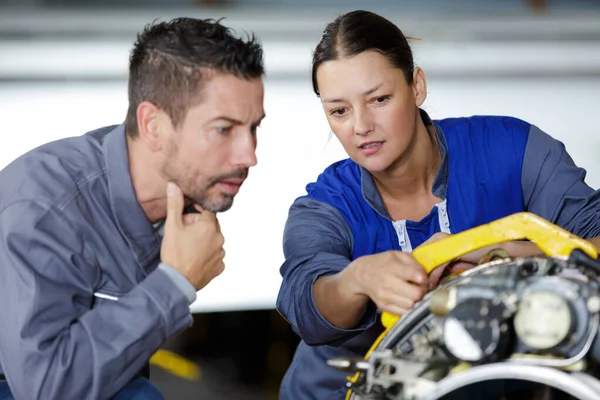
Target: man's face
<point>211,151</point>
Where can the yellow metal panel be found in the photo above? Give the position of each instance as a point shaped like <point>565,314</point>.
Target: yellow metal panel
<point>551,239</point>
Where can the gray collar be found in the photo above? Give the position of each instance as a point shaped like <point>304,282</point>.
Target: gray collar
<point>133,223</point>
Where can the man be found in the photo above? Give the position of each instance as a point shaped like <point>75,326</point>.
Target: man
<point>90,284</point>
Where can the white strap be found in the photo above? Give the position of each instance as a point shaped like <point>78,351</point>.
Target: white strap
<point>443,217</point>
<point>402,232</point>
<point>403,238</point>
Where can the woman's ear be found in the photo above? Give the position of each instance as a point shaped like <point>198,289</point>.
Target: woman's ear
<point>419,86</point>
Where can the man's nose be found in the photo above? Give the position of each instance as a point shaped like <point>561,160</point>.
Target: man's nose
<point>244,153</point>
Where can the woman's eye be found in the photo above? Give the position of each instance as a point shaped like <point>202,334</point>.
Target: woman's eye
<point>224,130</point>
<point>381,99</point>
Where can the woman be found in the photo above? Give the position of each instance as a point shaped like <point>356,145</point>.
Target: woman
<point>407,180</point>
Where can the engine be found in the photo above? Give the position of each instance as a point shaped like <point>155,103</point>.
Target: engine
<point>507,329</point>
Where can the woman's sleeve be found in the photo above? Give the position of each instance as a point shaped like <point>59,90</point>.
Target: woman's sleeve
<point>554,187</point>
<point>317,241</point>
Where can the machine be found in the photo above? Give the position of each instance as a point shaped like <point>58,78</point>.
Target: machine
<point>507,329</point>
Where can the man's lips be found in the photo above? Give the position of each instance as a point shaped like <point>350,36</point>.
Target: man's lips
<point>230,186</point>
<point>233,181</point>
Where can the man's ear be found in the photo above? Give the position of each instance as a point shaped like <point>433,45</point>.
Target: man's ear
<point>419,86</point>
<point>149,118</point>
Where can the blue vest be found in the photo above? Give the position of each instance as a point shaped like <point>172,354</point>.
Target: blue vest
<point>484,159</point>
<point>480,182</point>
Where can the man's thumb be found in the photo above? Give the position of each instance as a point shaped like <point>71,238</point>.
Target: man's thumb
<point>174,203</point>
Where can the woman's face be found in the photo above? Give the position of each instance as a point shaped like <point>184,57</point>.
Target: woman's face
<point>370,107</point>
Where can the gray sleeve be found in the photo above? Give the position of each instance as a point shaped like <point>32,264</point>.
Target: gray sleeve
<point>554,187</point>
<point>180,281</point>
<point>317,241</point>
<point>53,344</point>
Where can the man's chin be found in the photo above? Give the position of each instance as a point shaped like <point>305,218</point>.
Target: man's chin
<point>217,206</point>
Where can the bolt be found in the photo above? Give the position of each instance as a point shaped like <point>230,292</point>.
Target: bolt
<point>593,304</point>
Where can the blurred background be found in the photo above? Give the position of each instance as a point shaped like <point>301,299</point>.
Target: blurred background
<point>63,71</point>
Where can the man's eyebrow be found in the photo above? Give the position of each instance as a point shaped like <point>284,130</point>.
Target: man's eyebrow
<point>227,119</point>
<point>368,92</point>
<point>235,121</point>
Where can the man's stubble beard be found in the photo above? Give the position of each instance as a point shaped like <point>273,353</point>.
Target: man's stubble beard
<point>182,175</point>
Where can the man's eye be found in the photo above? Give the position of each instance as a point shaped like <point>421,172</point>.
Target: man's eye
<point>224,130</point>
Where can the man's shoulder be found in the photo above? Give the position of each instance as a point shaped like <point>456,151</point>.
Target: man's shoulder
<point>53,172</point>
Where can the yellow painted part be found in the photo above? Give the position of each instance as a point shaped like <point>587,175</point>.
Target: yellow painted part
<point>176,365</point>
<point>460,367</point>
<point>551,239</point>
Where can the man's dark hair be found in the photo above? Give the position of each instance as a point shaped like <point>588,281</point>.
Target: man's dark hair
<point>170,61</point>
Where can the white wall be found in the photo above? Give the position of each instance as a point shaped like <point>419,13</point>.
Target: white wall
<point>294,146</point>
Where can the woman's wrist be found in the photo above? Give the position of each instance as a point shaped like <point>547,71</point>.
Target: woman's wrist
<point>350,277</point>
<point>522,249</point>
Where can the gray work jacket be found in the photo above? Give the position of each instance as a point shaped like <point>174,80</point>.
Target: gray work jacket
<point>84,299</point>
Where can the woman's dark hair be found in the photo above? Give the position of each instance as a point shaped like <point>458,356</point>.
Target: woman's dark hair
<point>359,31</point>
